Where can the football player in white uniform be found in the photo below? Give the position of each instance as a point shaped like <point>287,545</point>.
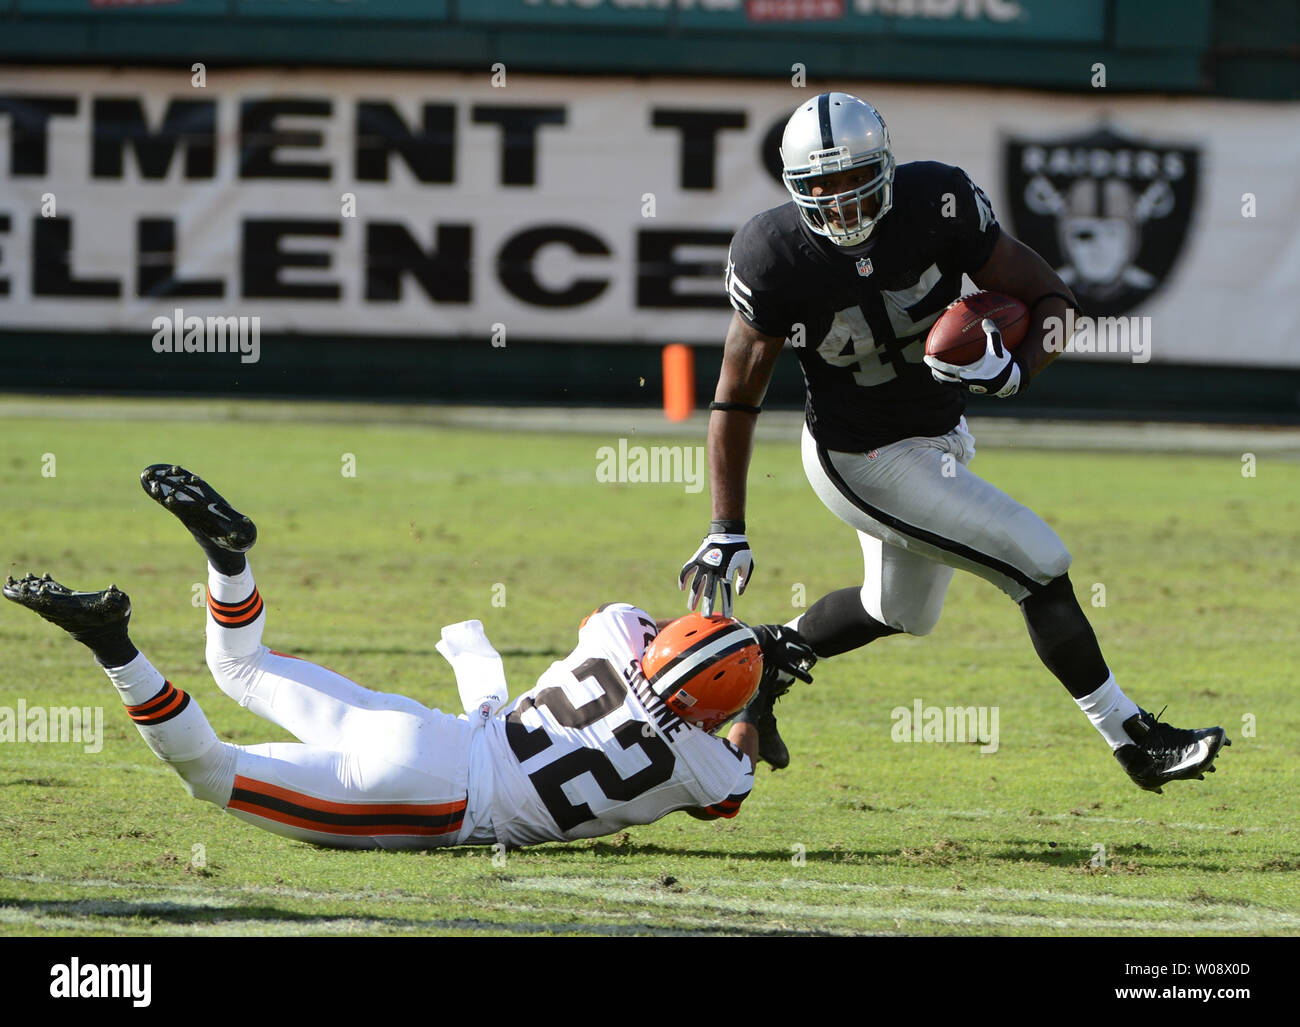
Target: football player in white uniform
<point>865,257</point>
<point>618,733</point>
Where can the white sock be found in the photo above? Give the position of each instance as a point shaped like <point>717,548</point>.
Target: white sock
<point>1108,708</point>
<point>235,613</point>
<point>137,682</point>
<point>227,588</point>
<point>169,720</point>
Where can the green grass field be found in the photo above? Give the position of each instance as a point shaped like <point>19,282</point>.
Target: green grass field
<point>860,835</point>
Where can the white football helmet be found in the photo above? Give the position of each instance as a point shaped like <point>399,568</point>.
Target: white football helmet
<point>828,134</point>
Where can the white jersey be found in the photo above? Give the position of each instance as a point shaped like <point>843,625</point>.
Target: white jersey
<point>591,750</point>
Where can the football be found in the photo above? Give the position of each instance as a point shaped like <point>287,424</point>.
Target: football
<point>958,338</point>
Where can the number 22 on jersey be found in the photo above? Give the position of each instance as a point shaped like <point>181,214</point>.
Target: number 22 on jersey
<point>550,778</point>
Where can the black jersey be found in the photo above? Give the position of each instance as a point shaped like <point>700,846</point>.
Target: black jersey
<point>865,315</point>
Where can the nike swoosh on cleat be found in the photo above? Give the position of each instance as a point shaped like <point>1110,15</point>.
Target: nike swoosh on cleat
<point>1203,748</point>
<point>212,509</point>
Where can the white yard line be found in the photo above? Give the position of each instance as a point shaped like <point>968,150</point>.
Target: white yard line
<point>1229,917</point>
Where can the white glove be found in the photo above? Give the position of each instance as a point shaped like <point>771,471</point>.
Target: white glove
<point>720,560</point>
<point>996,372</point>
<point>480,674</point>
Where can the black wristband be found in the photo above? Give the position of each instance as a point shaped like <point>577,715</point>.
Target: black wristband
<point>735,526</point>
<point>743,408</point>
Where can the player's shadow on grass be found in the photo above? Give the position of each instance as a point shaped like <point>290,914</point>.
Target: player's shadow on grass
<point>37,782</point>
<point>578,851</point>
<point>101,915</point>
<point>92,911</point>
<point>1033,851</point>
<point>604,848</point>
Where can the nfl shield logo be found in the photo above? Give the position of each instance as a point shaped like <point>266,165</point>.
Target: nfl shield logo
<point>864,266</point>
<point>1108,212</point>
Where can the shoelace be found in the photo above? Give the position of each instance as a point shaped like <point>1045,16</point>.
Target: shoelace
<point>1171,739</point>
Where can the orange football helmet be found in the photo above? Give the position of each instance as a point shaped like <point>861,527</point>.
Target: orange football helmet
<point>705,669</point>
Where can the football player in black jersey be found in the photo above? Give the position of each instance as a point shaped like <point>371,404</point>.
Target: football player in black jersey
<point>858,266</point>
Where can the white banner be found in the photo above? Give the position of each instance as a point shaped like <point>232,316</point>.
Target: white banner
<point>529,208</point>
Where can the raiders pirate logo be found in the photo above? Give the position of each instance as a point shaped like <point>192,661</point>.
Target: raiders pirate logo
<point>1110,214</point>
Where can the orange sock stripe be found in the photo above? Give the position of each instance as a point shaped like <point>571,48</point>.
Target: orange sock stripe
<point>237,620</point>
<point>177,697</point>
<point>164,696</point>
<point>162,707</point>
<point>233,607</point>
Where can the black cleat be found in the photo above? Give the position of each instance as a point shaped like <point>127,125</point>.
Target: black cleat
<point>771,746</point>
<point>199,507</point>
<point>786,656</point>
<point>1161,753</point>
<point>78,613</point>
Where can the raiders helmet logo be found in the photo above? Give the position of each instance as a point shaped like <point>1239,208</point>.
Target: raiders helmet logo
<point>1109,213</point>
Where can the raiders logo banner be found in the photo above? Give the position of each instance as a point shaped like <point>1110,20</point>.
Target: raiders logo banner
<point>511,207</point>
<point>1109,213</point>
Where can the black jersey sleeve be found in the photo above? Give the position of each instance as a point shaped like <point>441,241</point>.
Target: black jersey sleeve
<point>760,278</point>
<point>969,228</point>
